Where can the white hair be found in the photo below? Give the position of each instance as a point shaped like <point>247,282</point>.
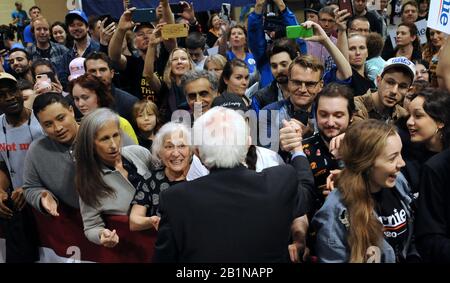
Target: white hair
<point>221,137</point>
<point>173,129</point>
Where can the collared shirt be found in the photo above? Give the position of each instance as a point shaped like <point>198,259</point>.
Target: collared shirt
<point>55,55</point>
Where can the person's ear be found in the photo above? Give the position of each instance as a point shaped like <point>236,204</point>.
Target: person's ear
<point>379,80</point>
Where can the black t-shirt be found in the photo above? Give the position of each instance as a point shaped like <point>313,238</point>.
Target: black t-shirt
<point>149,189</point>
<point>44,53</point>
<point>394,218</point>
<point>132,81</point>
<point>360,84</point>
<point>321,162</point>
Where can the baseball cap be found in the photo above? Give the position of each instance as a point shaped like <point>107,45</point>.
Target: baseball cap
<point>231,101</point>
<point>76,68</point>
<point>143,25</point>
<point>6,76</point>
<point>310,10</point>
<point>400,62</point>
<point>76,14</point>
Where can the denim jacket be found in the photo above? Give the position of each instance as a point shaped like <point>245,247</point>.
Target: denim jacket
<point>331,225</point>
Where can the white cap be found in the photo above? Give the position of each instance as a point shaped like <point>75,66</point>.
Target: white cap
<point>401,62</point>
<point>76,68</point>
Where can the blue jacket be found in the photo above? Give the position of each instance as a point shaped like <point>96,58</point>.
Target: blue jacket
<point>257,42</point>
<point>331,222</point>
<point>63,71</point>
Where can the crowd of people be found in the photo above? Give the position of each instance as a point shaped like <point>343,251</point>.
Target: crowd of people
<point>235,143</point>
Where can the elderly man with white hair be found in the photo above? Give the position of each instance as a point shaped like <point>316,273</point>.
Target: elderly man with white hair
<point>234,214</point>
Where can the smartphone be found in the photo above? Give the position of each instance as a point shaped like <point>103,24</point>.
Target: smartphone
<point>43,82</point>
<point>298,32</point>
<point>174,31</point>
<point>146,15</point>
<point>347,5</point>
<point>176,8</point>
<point>273,23</point>
<point>109,20</point>
<point>226,10</point>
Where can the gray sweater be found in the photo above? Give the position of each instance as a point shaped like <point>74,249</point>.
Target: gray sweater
<point>49,166</point>
<point>119,203</point>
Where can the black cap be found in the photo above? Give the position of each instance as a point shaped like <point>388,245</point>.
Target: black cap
<point>143,25</point>
<point>231,101</point>
<point>311,11</point>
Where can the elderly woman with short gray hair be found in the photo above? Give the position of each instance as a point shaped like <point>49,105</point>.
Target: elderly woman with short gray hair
<point>172,157</point>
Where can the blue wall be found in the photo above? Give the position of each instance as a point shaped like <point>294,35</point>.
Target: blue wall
<point>115,7</point>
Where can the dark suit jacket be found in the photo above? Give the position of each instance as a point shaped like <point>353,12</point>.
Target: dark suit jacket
<point>230,215</point>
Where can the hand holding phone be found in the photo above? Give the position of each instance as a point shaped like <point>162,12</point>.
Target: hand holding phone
<point>174,31</point>
<point>43,83</point>
<point>298,31</point>
<point>176,8</point>
<point>347,5</point>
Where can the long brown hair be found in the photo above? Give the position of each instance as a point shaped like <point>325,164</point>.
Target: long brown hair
<point>362,144</point>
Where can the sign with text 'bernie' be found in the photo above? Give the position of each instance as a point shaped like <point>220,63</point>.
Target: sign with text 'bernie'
<point>439,15</point>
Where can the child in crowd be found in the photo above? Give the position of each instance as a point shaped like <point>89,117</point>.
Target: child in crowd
<point>146,121</point>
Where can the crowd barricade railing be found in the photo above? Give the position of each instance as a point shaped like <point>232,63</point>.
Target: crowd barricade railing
<point>62,239</point>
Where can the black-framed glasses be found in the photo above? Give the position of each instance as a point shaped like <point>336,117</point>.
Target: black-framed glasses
<point>310,85</point>
<point>193,95</point>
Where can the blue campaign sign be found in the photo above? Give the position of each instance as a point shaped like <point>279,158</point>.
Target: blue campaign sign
<point>115,7</point>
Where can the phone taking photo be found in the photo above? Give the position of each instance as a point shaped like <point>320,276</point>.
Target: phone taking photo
<point>346,5</point>
<point>43,83</point>
<point>146,15</point>
<point>176,8</point>
<point>298,31</point>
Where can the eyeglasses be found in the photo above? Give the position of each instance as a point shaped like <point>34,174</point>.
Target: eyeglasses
<point>193,95</point>
<point>310,86</point>
<point>359,30</point>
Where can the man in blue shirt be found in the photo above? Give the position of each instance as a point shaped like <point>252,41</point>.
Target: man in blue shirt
<point>78,25</point>
<point>20,18</point>
<point>28,37</point>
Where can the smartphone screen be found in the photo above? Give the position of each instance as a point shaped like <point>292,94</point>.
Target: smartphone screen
<point>146,15</point>
<point>347,5</point>
<point>298,32</point>
<point>176,8</point>
<point>42,78</point>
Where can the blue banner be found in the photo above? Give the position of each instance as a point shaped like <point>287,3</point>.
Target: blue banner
<point>115,7</point>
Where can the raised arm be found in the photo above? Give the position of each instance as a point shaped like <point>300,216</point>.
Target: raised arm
<point>168,17</point>
<point>344,70</point>
<point>149,66</point>
<point>115,45</point>
<point>256,37</point>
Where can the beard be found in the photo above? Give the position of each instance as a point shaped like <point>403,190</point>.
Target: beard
<point>282,79</point>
